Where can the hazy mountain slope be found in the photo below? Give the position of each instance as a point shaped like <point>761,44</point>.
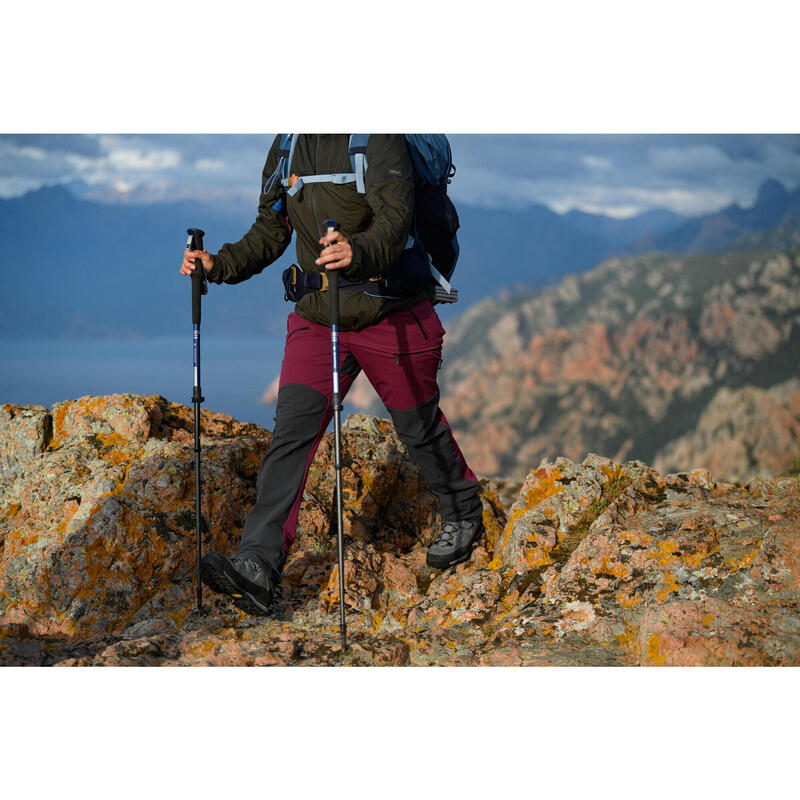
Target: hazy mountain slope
<point>79,268</point>
<point>742,434</point>
<point>621,360</point>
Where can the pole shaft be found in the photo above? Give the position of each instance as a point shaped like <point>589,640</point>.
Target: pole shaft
<point>337,451</point>
<point>333,289</point>
<point>198,532</point>
<point>195,242</point>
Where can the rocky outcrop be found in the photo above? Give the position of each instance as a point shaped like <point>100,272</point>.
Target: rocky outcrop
<point>623,360</point>
<point>595,562</point>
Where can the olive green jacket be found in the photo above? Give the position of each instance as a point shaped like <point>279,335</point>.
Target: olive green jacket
<point>376,224</point>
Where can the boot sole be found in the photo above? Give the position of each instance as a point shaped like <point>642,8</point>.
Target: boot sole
<point>216,574</point>
<point>443,562</point>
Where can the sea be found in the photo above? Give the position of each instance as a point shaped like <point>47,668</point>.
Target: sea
<point>234,371</point>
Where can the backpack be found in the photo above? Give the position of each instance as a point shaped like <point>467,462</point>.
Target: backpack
<point>430,256</point>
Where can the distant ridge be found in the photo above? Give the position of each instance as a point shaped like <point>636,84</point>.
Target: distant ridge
<point>774,206</point>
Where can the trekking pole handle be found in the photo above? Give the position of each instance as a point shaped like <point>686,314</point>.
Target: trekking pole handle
<point>331,225</point>
<point>199,285</point>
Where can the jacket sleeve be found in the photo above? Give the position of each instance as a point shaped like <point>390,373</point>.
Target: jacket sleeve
<point>266,240</point>
<point>390,195</point>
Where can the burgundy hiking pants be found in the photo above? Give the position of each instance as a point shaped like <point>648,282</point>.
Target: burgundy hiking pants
<point>400,355</point>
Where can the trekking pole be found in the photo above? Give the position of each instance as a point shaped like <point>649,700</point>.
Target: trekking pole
<point>199,288</point>
<point>336,401</point>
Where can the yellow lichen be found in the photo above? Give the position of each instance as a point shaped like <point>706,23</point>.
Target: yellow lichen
<point>667,552</point>
<point>627,601</point>
<point>745,561</point>
<point>655,655</point>
<point>546,486</point>
<point>669,585</point>
<point>9,512</point>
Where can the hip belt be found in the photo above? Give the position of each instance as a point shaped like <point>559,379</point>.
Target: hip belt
<point>298,283</point>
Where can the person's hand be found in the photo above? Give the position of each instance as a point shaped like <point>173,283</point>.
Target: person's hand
<point>187,267</point>
<point>337,252</point>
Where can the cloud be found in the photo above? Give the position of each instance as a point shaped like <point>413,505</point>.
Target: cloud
<point>56,143</point>
<point>137,168</point>
<point>621,175</point>
<point>209,164</point>
<point>601,173</point>
<point>140,160</point>
<point>598,163</point>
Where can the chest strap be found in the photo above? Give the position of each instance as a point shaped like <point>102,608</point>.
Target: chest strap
<point>357,150</point>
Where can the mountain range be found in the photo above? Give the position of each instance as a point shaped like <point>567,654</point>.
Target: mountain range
<point>774,207</point>
<point>76,268</point>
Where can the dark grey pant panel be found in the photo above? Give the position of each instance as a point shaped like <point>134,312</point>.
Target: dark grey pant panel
<point>299,419</point>
<point>429,441</point>
<point>350,366</point>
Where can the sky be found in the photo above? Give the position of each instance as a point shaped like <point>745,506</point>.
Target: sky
<point>617,175</point>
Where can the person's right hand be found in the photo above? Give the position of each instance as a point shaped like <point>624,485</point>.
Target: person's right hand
<point>187,267</point>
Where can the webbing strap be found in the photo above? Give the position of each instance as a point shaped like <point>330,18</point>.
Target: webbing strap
<point>357,150</point>
<point>439,278</point>
<point>358,158</point>
<point>361,161</point>
<point>287,169</point>
<point>284,154</point>
<point>337,178</point>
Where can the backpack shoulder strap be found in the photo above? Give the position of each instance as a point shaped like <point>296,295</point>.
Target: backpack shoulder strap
<point>357,150</point>
<point>285,153</point>
<point>358,158</point>
<point>288,144</point>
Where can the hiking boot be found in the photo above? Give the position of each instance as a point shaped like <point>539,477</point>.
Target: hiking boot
<point>247,582</point>
<point>454,543</point>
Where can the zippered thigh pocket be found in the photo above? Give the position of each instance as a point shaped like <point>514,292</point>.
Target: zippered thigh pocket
<point>398,357</point>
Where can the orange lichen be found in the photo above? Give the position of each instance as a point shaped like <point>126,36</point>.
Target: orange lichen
<point>655,654</point>
<point>668,586</point>
<point>635,536</point>
<point>202,649</point>
<point>745,561</point>
<point>667,553</point>
<point>616,569</point>
<point>627,601</point>
<point>59,432</point>
<point>113,441</point>
<point>9,512</point>
<point>545,486</point>
<point>627,640</point>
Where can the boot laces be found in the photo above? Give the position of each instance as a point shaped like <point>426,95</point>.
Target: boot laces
<point>447,535</point>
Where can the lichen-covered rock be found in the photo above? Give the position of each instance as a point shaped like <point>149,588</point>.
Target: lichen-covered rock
<point>650,577</point>
<point>24,432</point>
<point>100,531</point>
<point>598,563</point>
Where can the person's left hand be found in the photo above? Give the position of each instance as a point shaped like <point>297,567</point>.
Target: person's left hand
<point>337,252</point>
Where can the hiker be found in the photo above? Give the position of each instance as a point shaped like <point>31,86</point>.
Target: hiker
<point>397,341</point>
